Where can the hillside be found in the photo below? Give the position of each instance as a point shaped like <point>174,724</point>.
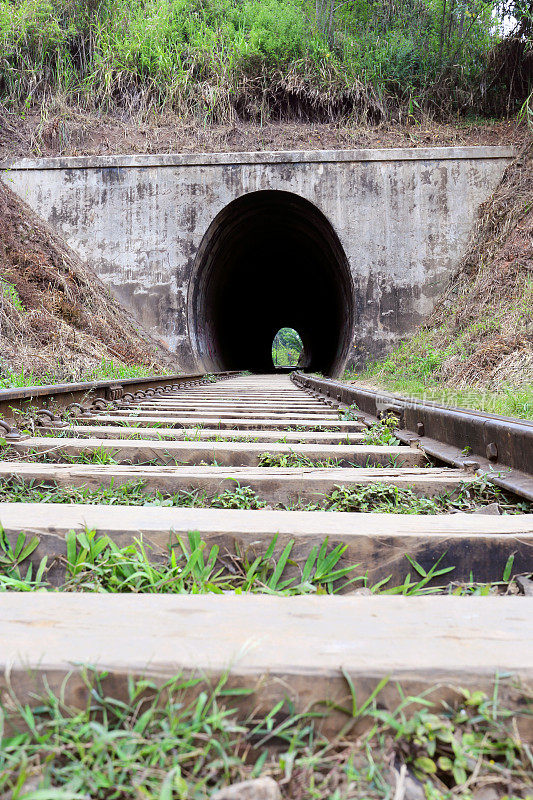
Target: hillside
<point>479,337</point>
<point>57,320</point>
<point>484,323</point>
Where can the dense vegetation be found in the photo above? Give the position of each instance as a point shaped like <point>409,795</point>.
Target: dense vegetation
<point>286,348</point>
<point>371,59</point>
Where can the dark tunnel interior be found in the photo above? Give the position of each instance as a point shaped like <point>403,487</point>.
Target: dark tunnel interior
<point>270,260</point>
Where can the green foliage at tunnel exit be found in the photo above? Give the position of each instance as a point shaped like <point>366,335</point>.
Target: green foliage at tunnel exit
<point>218,59</point>
<point>286,348</point>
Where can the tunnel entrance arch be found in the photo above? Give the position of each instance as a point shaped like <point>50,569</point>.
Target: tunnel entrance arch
<point>270,259</point>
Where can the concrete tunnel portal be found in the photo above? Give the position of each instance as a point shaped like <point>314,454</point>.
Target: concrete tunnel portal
<point>270,259</point>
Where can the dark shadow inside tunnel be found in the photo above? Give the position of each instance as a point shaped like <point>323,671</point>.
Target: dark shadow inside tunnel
<point>270,260</point>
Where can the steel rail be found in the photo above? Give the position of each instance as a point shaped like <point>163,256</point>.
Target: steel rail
<point>499,448</point>
<point>58,397</point>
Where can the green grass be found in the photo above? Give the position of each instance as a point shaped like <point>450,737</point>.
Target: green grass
<point>8,291</point>
<point>295,460</point>
<point>508,402</point>
<point>94,563</point>
<point>129,494</point>
<point>103,456</point>
<point>240,497</point>
<point>380,497</point>
<point>99,456</point>
<point>415,374</point>
<point>381,433</point>
<point>283,460</point>
<point>323,427</point>
<point>217,437</point>
<point>351,413</point>
<point>138,434</point>
<point>389,499</point>
<point>106,370</point>
<point>131,422</point>
<point>186,738</point>
<point>222,58</point>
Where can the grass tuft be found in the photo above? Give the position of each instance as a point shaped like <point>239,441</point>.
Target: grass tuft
<point>380,497</point>
<point>186,738</point>
<point>107,369</point>
<point>95,563</point>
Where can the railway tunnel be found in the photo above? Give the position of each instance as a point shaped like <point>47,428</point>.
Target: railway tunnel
<point>270,259</point>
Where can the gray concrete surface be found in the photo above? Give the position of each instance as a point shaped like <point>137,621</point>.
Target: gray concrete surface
<point>395,221</point>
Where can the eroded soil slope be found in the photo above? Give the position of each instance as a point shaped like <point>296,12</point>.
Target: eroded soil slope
<point>488,308</point>
<point>55,314</point>
<point>67,131</point>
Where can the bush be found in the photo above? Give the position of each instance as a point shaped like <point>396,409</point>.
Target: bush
<point>199,57</point>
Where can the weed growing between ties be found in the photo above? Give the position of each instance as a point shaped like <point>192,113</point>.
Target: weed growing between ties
<point>94,563</point>
<point>301,460</point>
<point>320,427</point>
<point>70,433</point>
<point>382,433</point>
<point>140,433</point>
<point>187,737</point>
<point>295,460</point>
<point>136,424</point>
<point>54,455</point>
<point>389,499</point>
<point>240,497</point>
<point>132,422</point>
<point>380,497</point>
<point>379,433</point>
<point>350,414</point>
<point>132,493</point>
<point>102,455</point>
<point>217,437</point>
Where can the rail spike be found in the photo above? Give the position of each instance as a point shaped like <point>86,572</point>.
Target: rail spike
<point>11,433</point>
<point>44,418</point>
<point>79,411</point>
<point>101,405</point>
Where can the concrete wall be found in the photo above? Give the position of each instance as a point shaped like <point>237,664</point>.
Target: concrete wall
<point>402,216</point>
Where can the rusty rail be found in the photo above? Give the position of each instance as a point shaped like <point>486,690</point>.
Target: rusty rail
<point>500,448</point>
<point>58,397</point>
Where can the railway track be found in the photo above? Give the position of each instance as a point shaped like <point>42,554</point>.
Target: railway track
<point>277,447</point>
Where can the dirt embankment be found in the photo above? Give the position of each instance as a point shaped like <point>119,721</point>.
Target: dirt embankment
<point>56,316</point>
<point>72,132</point>
<point>484,322</point>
